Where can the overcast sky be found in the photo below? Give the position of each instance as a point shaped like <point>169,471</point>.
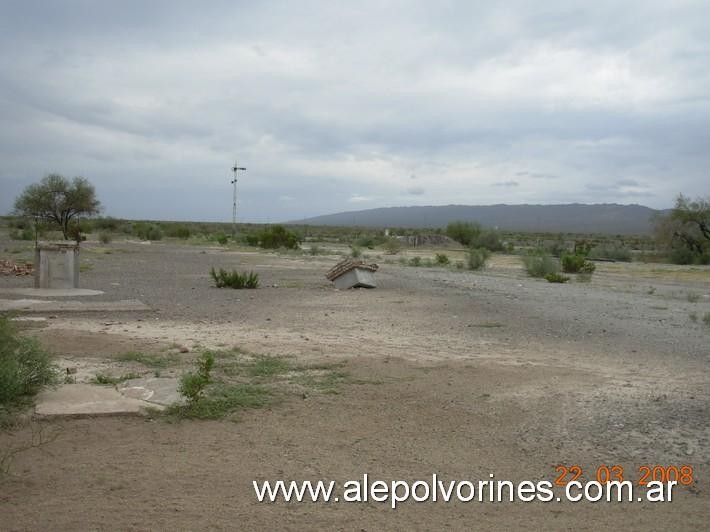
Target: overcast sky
<point>337,106</point>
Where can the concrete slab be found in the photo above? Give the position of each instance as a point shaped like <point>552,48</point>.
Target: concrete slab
<point>156,390</point>
<point>86,400</point>
<point>51,292</point>
<point>40,305</point>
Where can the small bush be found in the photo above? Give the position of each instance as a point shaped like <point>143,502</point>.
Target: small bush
<point>477,258</point>
<point>106,224</point>
<point>539,264</point>
<point>392,246</point>
<point>489,240</point>
<point>148,360</point>
<point>415,261</point>
<point>554,277</point>
<point>681,256</point>
<point>576,264</point>
<point>234,279</point>
<point>442,259</point>
<point>104,238</point>
<point>463,232</point>
<point>22,234</point>
<point>618,253</point>
<point>355,252</point>
<point>557,247</point>
<point>221,238</point>
<point>24,365</point>
<point>147,231</point>
<point>277,236</point>
<point>177,231</point>
<point>102,378</point>
<point>193,384</point>
<point>368,242</point>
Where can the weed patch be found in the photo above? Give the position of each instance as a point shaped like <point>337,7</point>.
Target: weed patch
<point>102,378</point>
<point>24,365</point>
<point>234,279</point>
<point>148,360</point>
<point>554,277</point>
<point>236,380</point>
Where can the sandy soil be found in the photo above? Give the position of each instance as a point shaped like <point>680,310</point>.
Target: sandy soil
<point>456,373</point>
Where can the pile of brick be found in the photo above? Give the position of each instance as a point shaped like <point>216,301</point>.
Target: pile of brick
<point>8,267</point>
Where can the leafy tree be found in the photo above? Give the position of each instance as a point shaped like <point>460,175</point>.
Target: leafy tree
<point>59,201</point>
<point>687,228</point>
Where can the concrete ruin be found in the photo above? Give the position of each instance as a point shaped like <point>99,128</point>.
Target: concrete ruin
<point>352,274</point>
<point>57,265</point>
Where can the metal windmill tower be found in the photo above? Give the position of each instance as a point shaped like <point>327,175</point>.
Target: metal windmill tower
<point>235,169</point>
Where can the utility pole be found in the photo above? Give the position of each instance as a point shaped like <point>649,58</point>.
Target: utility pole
<point>235,169</point>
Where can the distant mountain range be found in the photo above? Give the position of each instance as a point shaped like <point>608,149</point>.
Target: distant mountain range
<point>609,218</point>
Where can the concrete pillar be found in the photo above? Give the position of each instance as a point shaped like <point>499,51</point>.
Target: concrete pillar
<point>57,265</point>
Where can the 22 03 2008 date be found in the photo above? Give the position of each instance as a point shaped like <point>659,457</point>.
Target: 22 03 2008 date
<point>682,474</point>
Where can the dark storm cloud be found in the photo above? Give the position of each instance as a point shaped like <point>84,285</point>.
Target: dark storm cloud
<point>335,106</point>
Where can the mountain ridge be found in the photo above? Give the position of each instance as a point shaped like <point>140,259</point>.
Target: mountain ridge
<point>612,218</point>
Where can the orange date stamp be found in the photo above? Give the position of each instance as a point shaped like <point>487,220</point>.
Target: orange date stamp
<point>682,474</point>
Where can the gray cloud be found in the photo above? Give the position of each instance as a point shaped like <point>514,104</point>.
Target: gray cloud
<point>333,107</point>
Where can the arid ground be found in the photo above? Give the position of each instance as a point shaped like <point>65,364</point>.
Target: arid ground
<point>450,372</point>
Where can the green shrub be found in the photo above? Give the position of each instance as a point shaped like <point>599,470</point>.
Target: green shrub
<point>489,240</point>
<point>392,246</point>
<point>234,279</point>
<point>193,384</point>
<point>177,231</point>
<point>477,258</point>
<point>24,365</point>
<point>463,232</point>
<point>221,238</point>
<point>538,264</point>
<point>554,277</point>
<point>22,234</point>
<point>106,224</point>
<point>442,259</point>
<point>355,252</point>
<point>369,242</point>
<point>104,238</point>
<point>618,253</point>
<point>576,263</point>
<point>146,231</point>
<point>686,256</point>
<point>415,261</point>
<point>276,236</point>
<point>557,247</point>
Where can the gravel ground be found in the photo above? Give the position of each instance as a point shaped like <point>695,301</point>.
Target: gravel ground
<point>610,371</point>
